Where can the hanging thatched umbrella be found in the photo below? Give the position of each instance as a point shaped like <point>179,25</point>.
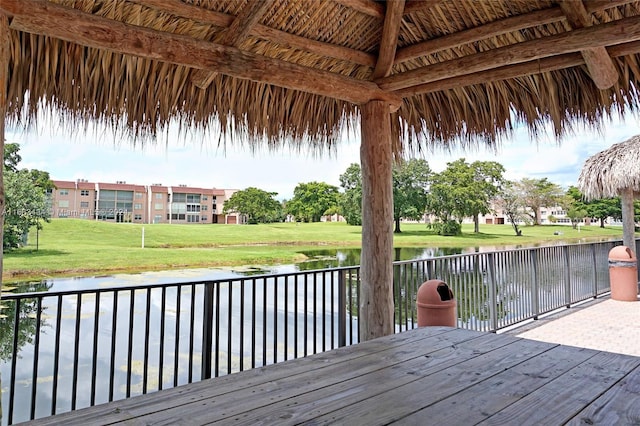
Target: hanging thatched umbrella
<point>615,172</point>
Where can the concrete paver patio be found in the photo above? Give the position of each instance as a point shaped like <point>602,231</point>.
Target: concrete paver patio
<point>602,324</point>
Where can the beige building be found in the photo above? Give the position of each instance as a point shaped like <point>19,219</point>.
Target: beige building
<point>123,202</point>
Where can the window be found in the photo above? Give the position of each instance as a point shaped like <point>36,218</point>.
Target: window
<point>137,206</point>
<point>193,219</point>
<point>203,207</point>
<point>214,199</point>
<point>63,204</point>
<point>205,198</point>
<point>138,195</point>
<point>84,193</point>
<point>84,204</point>
<point>158,196</point>
<point>64,192</point>
<point>157,218</point>
<point>204,218</point>
<point>158,206</point>
<point>137,217</point>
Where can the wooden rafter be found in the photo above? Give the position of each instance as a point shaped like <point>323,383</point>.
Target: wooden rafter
<point>482,32</point>
<point>389,41</point>
<point>368,7</point>
<point>75,26</point>
<point>539,66</point>
<point>177,8</point>
<point>235,34</point>
<point>616,32</point>
<point>601,68</point>
<point>493,29</point>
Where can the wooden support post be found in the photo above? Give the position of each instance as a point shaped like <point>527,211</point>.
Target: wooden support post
<point>376,260</point>
<point>5,52</point>
<point>628,222</point>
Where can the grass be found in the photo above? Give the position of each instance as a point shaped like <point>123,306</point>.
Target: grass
<point>74,247</point>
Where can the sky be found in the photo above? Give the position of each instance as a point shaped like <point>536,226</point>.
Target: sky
<point>192,162</point>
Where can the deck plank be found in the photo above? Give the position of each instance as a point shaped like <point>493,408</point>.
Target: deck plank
<point>501,390</point>
<point>130,408</point>
<point>435,375</point>
<point>563,398</point>
<point>618,406</point>
<point>409,398</point>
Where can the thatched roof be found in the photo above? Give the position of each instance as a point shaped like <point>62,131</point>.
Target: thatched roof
<point>607,172</point>
<point>295,71</point>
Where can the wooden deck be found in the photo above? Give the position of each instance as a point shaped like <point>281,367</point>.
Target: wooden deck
<point>431,375</point>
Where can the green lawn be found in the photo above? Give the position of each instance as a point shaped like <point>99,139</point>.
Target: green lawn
<point>71,247</point>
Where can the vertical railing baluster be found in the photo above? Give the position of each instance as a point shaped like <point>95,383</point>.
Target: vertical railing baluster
<point>286,318</point>
<point>535,297</point>
<point>253,323</point>
<point>295,316</point>
<point>229,325</point>
<point>14,360</point>
<point>192,322</point>
<point>94,355</point>
<point>216,371</point>
<point>207,332</point>
<point>163,310</point>
<point>275,320</point>
<point>36,352</point>
<point>56,357</point>
<point>342,308</point>
<point>112,357</point>
<point>315,314</point>
<point>493,302</point>
<point>567,276</point>
<point>76,353</point>
<point>306,313</point>
<point>241,346</point>
<point>324,310</point>
<point>595,271</point>
<point>132,302</point>
<point>264,321</point>
<point>145,357</point>
<point>176,347</point>
<point>332,279</point>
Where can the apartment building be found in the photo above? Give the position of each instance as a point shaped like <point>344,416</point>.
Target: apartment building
<point>131,203</point>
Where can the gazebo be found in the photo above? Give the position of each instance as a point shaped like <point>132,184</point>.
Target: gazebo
<point>611,173</point>
<point>412,74</point>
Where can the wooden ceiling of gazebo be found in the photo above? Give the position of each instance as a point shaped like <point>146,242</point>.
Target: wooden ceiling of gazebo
<point>415,73</point>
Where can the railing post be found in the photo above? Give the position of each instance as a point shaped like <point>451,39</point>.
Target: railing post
<point>207,329</point>
<point>493,299</point>
<point>342,307</point>
<point>567,276</point>
<point>595,271</point>
<point>535,297</point>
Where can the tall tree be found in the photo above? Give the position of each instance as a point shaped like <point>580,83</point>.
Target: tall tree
<point>259,206</point>
<point>410,182</point>
<point>351,198</point>
<point>537,193</point>
<point>311,200</point>
<point>600,209</point>
<point>26,202</point>
<point>511,202</point>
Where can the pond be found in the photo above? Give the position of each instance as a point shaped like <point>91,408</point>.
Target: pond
<point>317,259</point>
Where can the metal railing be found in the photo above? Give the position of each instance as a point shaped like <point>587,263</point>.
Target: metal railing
<point>64,350</point>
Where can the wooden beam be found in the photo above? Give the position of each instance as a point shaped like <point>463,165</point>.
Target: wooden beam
<point>389,42</point>
<point>601,68</point>
<point>75,26</point>
<point>616,32</point>
<point>5,57</point>
<point>368,7</point>
<point>413,6</point>
<point>628,220</point>
<point>178,8</point>
<point>235,34</point>
<point>482,32</point>
<point>376,261</point>
<point>493,29</point>
<point>539,66</point>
